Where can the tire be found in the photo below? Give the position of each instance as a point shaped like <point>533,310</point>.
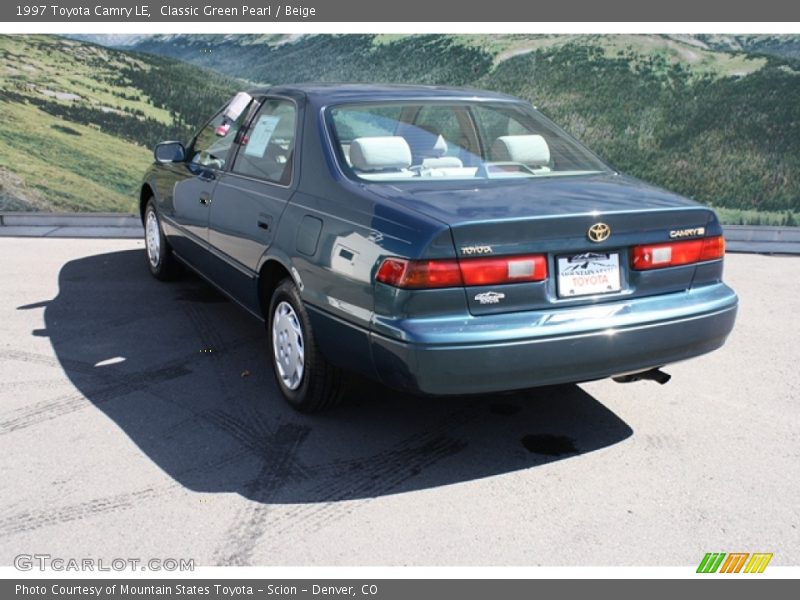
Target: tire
<point>158,252</point>
<point>306,380</point>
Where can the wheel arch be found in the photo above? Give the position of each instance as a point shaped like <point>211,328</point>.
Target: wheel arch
<point>270,274</point>
<point>145,194</point>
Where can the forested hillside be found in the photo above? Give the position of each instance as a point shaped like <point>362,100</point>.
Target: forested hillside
<point>714,117</point>
<point>423,59</point>
<point>730,141</point>
<point>79,120</point>
<point>782,46</point>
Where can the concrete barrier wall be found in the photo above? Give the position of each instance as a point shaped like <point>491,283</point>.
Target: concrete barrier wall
<point>739,238</point>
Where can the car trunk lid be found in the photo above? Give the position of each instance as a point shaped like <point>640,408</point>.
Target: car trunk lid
<point>553,217</point>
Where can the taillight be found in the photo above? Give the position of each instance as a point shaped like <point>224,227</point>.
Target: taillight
<point>509,269</point>
<point>420,274</point>
<point>672,254</point>
<point>399,272</point>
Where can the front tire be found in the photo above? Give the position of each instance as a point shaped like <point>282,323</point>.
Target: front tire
<point>158,252</point>
<point>307,381</point>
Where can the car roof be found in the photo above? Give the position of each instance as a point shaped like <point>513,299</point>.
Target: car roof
<point>334,93</point>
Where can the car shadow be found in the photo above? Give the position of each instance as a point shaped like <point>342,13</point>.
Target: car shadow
<point>185,374</point>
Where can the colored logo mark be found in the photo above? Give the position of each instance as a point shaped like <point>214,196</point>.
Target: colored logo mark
<point>734,562</point>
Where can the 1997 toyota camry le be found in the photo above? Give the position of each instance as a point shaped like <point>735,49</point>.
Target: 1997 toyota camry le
<point>441,241</point>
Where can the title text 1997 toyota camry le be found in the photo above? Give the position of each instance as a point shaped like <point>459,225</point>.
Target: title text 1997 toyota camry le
<point>442,241</point>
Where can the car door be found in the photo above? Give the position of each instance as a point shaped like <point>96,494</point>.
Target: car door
<point>207,156</point>
<point>251,196</point>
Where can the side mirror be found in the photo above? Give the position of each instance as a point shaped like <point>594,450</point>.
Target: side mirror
<point>167,152</point>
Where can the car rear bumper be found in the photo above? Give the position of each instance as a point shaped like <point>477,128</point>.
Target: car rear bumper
<point>521,350</point>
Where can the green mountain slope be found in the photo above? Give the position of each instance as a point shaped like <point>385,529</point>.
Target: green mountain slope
<point>729,141</point>
<point>714,117</point>
<point>782,46</point>
<point>703,116</point>
<point>79,120</point>
<point>424,59</point>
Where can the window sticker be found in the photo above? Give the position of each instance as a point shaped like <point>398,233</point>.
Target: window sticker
<point>260,136</point>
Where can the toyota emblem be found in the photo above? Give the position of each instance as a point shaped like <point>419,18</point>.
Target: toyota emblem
<point>599,232</point>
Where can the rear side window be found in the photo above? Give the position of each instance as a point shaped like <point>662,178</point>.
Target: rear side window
<point>267,147</point>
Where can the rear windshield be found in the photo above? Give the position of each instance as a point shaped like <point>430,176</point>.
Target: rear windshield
<point>420,141</point>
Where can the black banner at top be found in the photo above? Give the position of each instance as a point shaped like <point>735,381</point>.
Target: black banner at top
<point>442,11</point>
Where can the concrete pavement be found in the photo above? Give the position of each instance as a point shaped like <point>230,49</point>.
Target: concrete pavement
<point>140,419</point>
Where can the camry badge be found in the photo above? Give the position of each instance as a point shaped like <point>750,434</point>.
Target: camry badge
<point>489,297</point>
<point>690,232</point>
<point>599,232</point>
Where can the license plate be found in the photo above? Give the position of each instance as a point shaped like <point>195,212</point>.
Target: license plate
<point>588,273</point>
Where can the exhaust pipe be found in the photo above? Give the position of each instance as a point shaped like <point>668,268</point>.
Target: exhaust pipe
<point>656,375</point>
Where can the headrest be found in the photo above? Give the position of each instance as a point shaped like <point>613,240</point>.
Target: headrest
<point>375,153</point>
<point>529,150</point>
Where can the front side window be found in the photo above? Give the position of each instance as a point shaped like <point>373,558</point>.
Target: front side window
<point>418,141</point>
<point>212,145</point>
<point>267,146</point>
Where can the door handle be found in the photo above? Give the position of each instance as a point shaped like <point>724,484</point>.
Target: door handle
<point>264,221</point>
<point>206,175</point>
<point>205,199</point>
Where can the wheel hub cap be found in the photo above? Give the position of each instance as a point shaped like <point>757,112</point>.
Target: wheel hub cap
<point>288,345</point>
<point>152,239</point>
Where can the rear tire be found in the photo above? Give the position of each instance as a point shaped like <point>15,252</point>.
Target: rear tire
<point>158,252</point>
<point>307,381</point>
